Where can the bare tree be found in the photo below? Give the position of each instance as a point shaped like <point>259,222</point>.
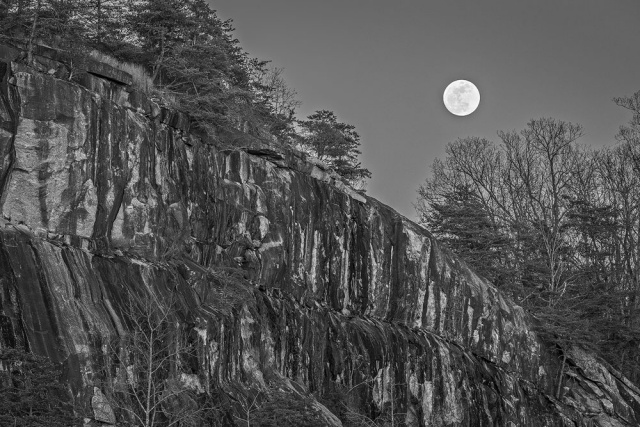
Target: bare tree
<point>390,416</point>
<point>149,388</point>
<point>523,186</point>
<point>249,405</point>
<point>542,161</point>
<point>283,98</point>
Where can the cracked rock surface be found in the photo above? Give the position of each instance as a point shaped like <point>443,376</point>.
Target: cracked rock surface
<point>105,192</point>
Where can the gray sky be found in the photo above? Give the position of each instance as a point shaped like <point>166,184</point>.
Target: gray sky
<point>383,66</point>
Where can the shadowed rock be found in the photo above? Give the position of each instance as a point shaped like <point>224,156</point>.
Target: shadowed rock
<point>338,292</point>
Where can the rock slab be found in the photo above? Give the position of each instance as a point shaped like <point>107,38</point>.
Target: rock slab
<point>283,273</point>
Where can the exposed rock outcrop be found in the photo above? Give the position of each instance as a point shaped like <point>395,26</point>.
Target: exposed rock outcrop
<point>105,192</point>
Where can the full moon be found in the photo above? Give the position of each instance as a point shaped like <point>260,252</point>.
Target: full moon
<point>461,97</point>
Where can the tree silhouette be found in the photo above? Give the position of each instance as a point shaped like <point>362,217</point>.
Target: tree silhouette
<point>335,143</point>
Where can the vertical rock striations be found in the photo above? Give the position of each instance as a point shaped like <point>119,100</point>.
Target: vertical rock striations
<point>104,193</point>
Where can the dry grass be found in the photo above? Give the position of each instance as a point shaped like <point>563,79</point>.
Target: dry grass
<point>141,79</point>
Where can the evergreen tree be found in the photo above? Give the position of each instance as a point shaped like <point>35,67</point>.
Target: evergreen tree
<point>335,143</point>
<point>195,64</point>
<point>29,22</point>
<point>104,24</point>
<point>461,222</point>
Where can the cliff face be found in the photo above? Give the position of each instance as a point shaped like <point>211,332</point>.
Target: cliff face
<point>105,193</point>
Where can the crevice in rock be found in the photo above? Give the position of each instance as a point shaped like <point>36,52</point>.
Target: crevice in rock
<point>9,117</point>
<point>334,254</point>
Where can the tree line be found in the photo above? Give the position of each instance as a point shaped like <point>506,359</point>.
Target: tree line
<point>554,224</point>
<point>195,65</point>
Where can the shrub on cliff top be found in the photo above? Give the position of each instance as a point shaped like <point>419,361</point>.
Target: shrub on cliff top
<point>193,59</point>
<point>187,50</point>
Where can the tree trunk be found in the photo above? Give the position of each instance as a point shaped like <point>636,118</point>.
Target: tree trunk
<point>99,21</point>
<point>32,34</point>
<point>564,360</point>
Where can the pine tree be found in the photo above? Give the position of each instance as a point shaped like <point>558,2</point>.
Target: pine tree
<point>461,221</point>
<point>335,143</point>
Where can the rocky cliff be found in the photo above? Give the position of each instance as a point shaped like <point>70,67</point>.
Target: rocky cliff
<point>106,193</point>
